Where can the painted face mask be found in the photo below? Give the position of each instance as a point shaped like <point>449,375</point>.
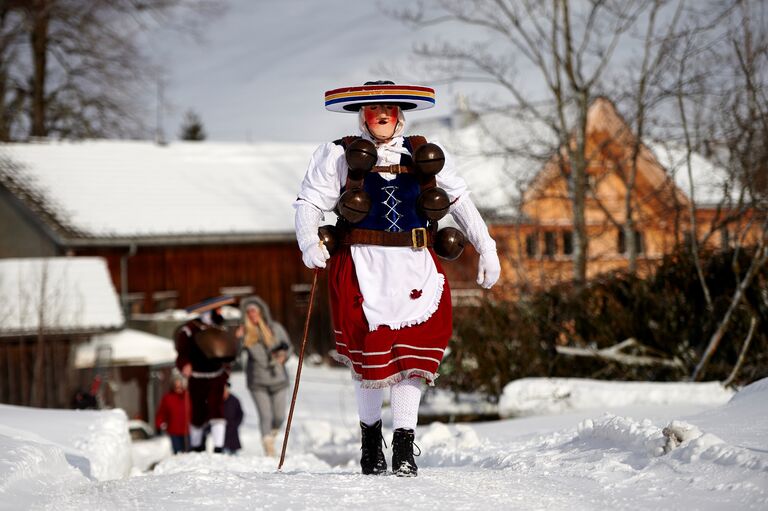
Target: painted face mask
<point>381,120</point>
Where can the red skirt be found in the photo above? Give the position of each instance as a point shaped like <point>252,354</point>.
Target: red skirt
<point>385,356</point>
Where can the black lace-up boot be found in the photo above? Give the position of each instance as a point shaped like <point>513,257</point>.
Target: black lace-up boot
<point>403,464</point>
<point>372,460</point>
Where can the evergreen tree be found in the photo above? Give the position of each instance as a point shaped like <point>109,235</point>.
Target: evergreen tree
<point>192,127</point>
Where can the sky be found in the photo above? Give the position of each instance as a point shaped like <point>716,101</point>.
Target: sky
<point>261,70</point>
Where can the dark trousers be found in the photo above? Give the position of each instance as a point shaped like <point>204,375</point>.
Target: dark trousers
<point>180,443</point>
<point>207,398</point>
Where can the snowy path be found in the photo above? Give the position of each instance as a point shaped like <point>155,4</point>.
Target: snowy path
<point>584,460</point>
<point>554,472</point>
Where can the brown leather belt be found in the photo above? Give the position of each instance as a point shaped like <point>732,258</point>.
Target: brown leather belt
<point>394,169</point>
<point>416,238</point>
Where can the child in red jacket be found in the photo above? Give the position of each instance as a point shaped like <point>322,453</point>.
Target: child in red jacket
<point>173,415</point>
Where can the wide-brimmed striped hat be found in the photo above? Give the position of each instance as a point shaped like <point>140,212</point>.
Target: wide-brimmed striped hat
<point>407,97</point>
<point>209,304</point>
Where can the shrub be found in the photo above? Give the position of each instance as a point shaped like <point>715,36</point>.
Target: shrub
<point>500,341</point>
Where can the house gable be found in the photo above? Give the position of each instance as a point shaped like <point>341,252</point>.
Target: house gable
<point>23,233</point>
<point>609,151</point>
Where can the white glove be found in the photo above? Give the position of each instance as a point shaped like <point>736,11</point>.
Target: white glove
<point>315,256</point>
<point>488,269</point>
<point>313,252</point>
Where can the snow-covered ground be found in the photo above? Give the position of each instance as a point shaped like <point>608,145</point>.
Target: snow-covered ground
<point>699,455</point>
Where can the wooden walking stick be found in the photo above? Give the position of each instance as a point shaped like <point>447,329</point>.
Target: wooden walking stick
<point>298,371</point>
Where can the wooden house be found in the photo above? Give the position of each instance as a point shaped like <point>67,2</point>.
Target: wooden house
<point>531,215</point>
<point>49,307</point>
<point>175,223</point>
<point>134,366</point>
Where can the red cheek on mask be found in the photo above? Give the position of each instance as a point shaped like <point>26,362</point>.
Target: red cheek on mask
<point>371,116</point>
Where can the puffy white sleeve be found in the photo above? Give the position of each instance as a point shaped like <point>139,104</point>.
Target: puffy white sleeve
<point>326,174</point>
<point>448,178</point>
<point>462,209</point>
<point>469,220</point>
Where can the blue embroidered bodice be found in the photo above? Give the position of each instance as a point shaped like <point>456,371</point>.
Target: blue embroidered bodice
<point>393,202</point>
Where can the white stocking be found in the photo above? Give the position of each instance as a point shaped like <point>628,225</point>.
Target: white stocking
<point>195,436</point>
<point>218,430</point>
<point>405,399</point>
<point>368,404</point>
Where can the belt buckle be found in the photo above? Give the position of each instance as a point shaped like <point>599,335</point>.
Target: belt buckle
<point>419,238</point>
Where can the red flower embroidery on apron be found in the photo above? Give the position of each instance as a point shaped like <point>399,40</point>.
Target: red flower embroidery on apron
<point>415,294</point>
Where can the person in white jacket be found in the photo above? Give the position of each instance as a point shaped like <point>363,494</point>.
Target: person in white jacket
<point>390,298</point>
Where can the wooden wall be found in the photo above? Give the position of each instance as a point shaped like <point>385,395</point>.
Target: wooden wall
<point>58,382</point>
<point>196,272</point>
<point>274,270</point>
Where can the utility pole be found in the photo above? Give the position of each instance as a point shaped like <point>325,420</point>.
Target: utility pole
<point>159,132</point>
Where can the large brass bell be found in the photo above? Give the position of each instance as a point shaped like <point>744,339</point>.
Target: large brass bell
<point>354,205</point>
<point>433,203</point>
<point>449,243</point>
<point>361,156</point>
<point>429,159</point>
<point>329,235</point>
<point>217,343</point>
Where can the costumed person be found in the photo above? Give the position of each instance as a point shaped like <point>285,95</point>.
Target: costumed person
<point>204,352</point>
<point>173,414</point>
<point>389,295</point>
<point>268,347</point>
<point>233,413</point>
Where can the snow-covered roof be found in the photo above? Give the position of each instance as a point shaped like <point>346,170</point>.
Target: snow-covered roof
<point>64,294</point>
<point>137,189</point>
<point>499,156</point>
<point>496,156</point>
<point>126,348</point>
<point>126,189</point>
<point>712,185</point>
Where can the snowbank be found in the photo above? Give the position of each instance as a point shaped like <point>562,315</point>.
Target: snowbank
<point>28,467</point>
<point>543,396</point>
<point>100,437</point>
<point>707,461</point>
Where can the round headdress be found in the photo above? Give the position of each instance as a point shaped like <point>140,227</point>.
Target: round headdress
<point>407,97</point>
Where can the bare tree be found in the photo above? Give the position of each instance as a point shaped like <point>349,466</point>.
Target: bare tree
<point>729,119</point>
<point>84,64</point>
<point>569,47</point>
<point>12,93</point>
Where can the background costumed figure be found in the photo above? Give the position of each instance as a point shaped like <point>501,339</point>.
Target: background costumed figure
<point>204,351</point>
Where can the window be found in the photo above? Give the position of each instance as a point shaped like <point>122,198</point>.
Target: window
<point>725,238</point>
<point>532,245</point>
<point>164,300</point>
<point>567,242</point>
<point>301,294</point>
<point>687,240</point>
<point>550,243</point>
<point>134,302</point>
<point>639,242</point>
<point>236,291</point>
